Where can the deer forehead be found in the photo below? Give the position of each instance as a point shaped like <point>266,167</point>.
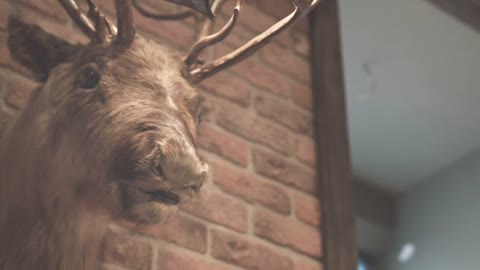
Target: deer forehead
<point>148,66</point>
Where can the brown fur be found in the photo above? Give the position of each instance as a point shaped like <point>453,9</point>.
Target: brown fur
<point>80,158</point>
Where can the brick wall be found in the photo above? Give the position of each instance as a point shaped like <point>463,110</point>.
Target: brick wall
<point>259,208</point>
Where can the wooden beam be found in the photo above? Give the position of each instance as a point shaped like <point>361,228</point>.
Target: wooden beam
<point>332,139</point>
<point>467,11</point>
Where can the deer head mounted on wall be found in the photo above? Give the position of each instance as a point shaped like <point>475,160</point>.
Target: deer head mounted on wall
<point>113,125</point>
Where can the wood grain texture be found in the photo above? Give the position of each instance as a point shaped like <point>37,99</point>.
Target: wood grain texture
<point>467,11</point>
<point>332,139</point>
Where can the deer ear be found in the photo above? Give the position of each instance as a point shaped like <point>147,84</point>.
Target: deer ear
<point>36,49</point>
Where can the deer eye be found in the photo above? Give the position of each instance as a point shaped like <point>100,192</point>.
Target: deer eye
<point>88,78</point>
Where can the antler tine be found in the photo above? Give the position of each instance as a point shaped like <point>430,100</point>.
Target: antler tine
<point>167,17</point>
<point>302,8</point>
<point>80,19</point>
<point>125,23</point>
<point>207,40</point>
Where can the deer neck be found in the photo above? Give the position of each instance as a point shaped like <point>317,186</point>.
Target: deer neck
<point>43,226</point>
<point>53,243</point>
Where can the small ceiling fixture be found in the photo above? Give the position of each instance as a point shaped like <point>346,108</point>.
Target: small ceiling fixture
<point>406,253</point>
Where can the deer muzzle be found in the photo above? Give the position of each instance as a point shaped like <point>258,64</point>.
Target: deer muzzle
<point>181,165</point>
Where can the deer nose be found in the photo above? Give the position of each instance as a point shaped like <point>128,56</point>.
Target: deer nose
<point>181,165</point>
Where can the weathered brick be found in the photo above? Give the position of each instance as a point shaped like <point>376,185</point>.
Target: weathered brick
<point>229,87</point>
<point>61,30</point>
<point>301,43</point>
<point>308,209</point>
<point>106,266</point>
<point>278,9</point>
<point>286,60</point>
<point>175,32</point>
<point>306,265</point>
<point>306,150</point>
<point>239,36</point>
<point>162,7</point>
<point>244,123</point>
<point>252,18</point>
<point>302,26</point>
<point>20,91</point>
<point>274,166</point>
<point>251,189</point>
<point>128,252</point>
<point>287,232</point>
<point>284,113</point>
<point>50,7</point>
<point>182,231</point>
<point>238,250</point>
<point>175,260</point>
<point>302,95</point>
<point>263,76</point>
<point>223,144</point>
<point>221,210</point>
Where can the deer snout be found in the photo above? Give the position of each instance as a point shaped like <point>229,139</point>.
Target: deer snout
<point>181,164</point>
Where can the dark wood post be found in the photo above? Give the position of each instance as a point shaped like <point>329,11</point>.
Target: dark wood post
<point>332,139</point>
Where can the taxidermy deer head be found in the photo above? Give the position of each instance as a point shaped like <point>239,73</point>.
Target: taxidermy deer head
<point>111,131</point>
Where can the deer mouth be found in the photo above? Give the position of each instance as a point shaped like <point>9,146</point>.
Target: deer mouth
<point>165,197</point>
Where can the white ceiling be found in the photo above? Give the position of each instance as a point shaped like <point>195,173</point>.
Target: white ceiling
<point>413,89</point>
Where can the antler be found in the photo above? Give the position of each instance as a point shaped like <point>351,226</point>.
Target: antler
<point>84,22</point>
<point>196,74</point>
<point>97,27</point>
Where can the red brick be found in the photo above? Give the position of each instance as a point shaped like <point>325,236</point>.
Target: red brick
<point>276,167</point>
<point>278,9</point>
<point>239,36</point>
<point>175,32</point>
<point>306,150</point>
<point>61,30</point>
<point>263,76</point>
<point>223,144</point>
<point>207,108</point>
<point>301,43</point>
<point>229,87</point>
<point>50,7</point>
<point>20,91</point>
<point>287,232</point>
<point>5,119</point>
<point>128,252</point>
<point>252,18</point>
<point>181,231</point>
<point>221,210</point>
<point>303,26</point>
<point>249,188</point>
<point>306,265</point>
<point>175,260</point>
<point>284,113</point>
<point>242,122</point>
<point>238,250</point>
<point>111,267</point>
<point>287,61</point>
<point>302,95</point>
<point>159,6</point>
<point>308,209</point>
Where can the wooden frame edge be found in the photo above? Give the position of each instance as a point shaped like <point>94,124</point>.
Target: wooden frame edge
<point>331,132</point>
